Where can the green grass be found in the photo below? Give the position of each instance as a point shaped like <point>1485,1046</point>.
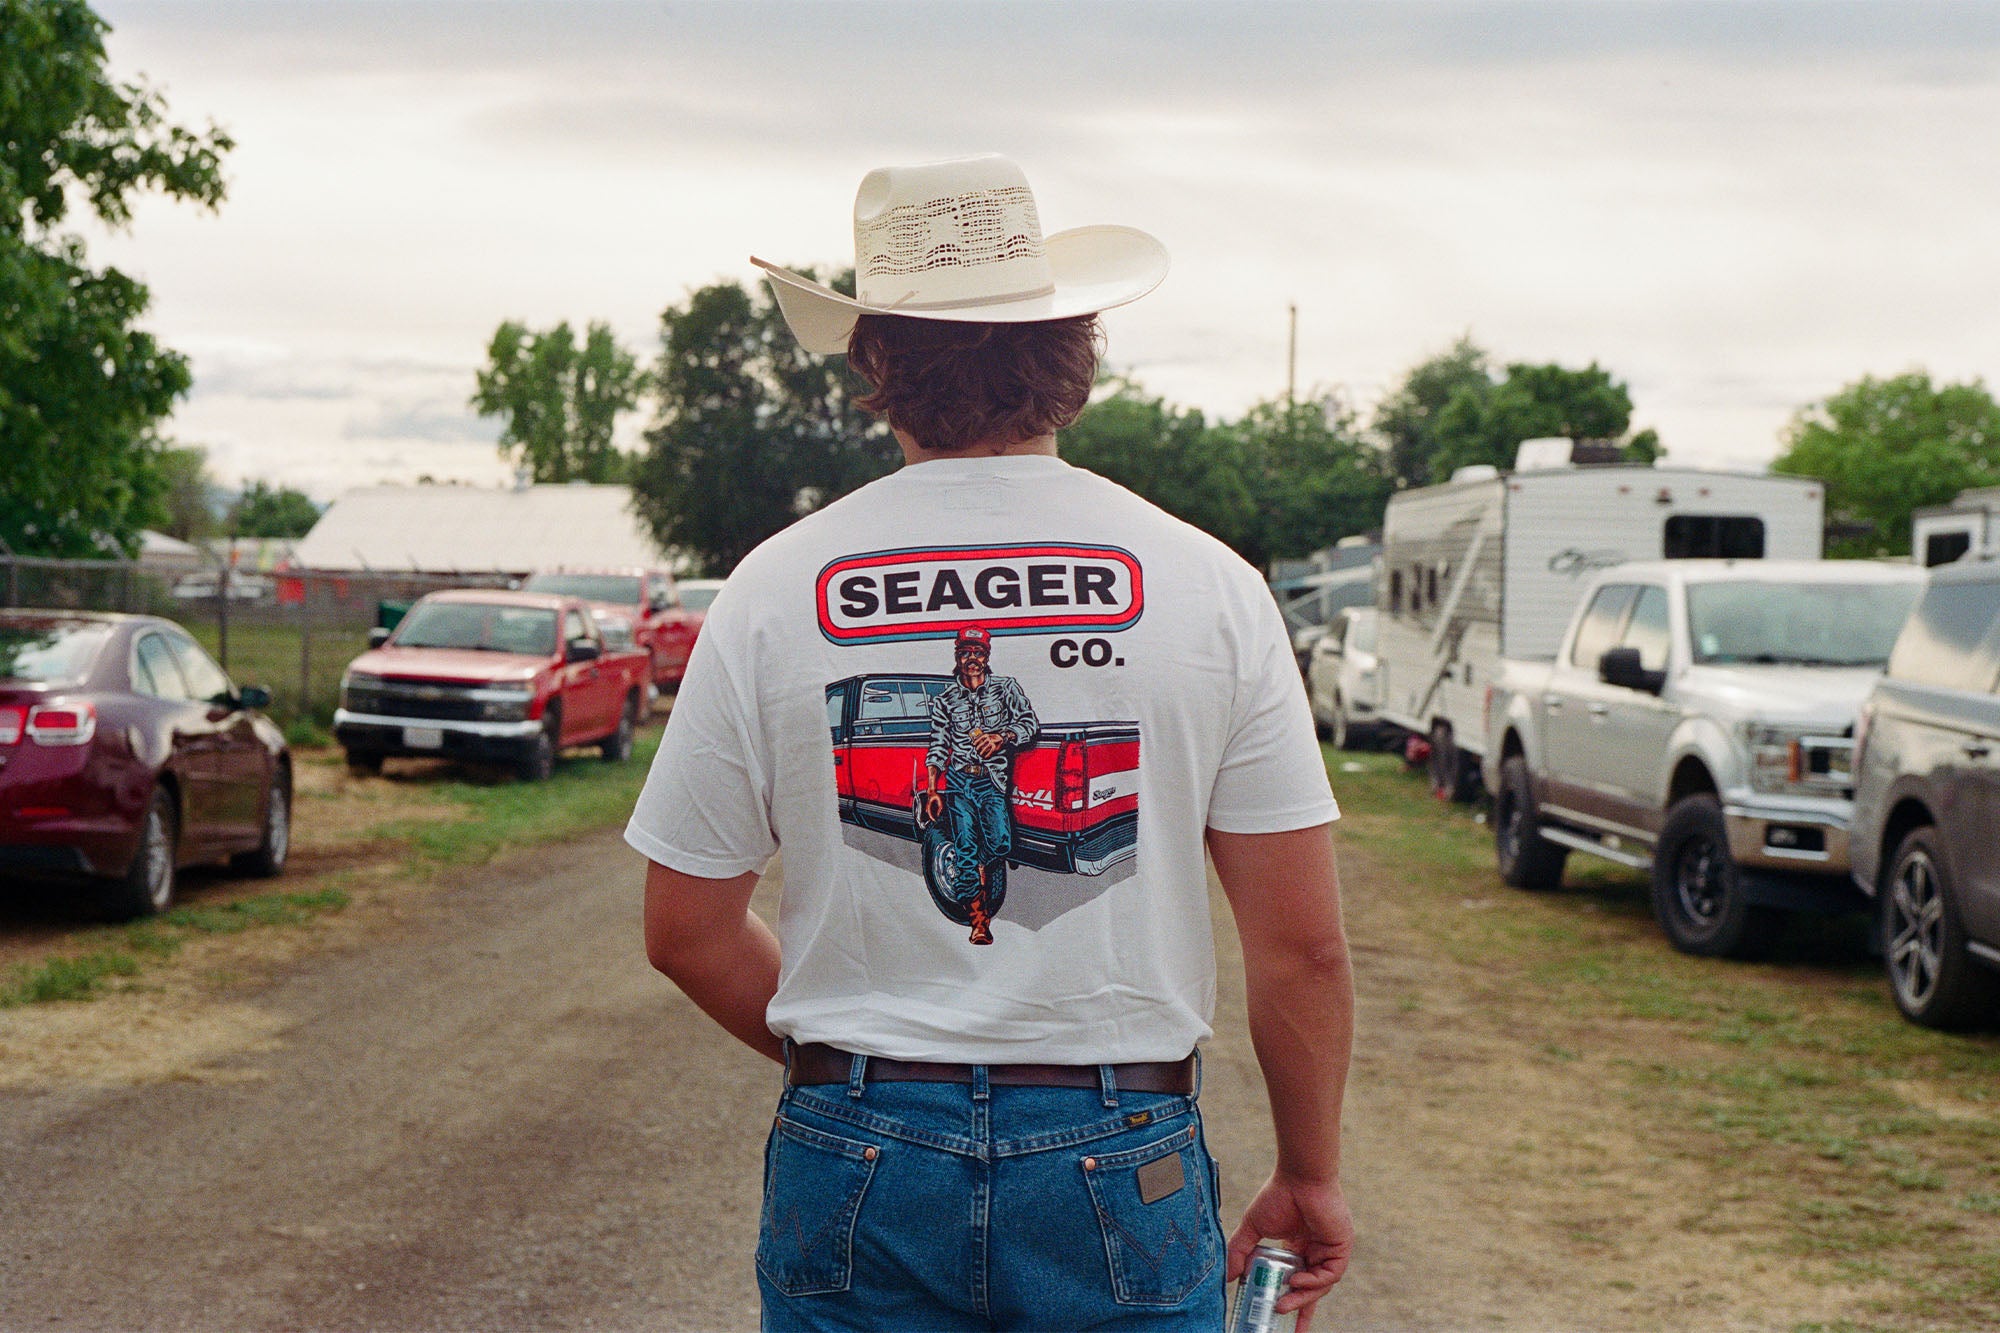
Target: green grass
<point>1876,1142</point>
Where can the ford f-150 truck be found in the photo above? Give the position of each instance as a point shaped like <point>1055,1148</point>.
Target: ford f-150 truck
<point>1698,721</point>
<point>1076,792</point>
<point>510,677</point>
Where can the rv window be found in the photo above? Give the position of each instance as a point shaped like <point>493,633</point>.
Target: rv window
<point>1395,592</point>
<point>1647,630</point>
<point>1431,585</point>
<point>1695,536</point>
<point>1601,623</point>
<point>1945,547</point>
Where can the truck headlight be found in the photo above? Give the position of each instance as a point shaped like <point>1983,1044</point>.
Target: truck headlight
<point>1798,760</point>
<point>360,692</point>
<point>508,706</point>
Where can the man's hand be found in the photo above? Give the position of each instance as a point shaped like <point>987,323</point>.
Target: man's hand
<point>990,743</point>
<point>933,807</point>
<point>1312,1220</point>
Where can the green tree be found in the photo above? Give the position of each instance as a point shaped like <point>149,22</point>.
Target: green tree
<point>560,401</point>
<point>1487,425</point>
<point>1173,458</point>
<point>752,431</point>
<point>264,510</point>
<point>1405,422</point>
<point>81,387</point>
<point>182,506</point>
<point>1885,447</point>
<point>1314,478</point>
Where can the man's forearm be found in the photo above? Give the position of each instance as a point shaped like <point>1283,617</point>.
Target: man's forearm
<point>703,937</point>
<point>1299,986</point>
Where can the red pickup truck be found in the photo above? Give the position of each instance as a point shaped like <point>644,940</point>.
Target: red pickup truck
<point>1076,788</point>
<point>661,624</point>
<point>481,674</point>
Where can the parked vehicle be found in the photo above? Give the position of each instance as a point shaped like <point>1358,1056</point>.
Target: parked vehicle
<point>1698,721</point>
<point>1344,680</point>
<point>1487,567</point>
<point>126,753</point>
<point>1076,799</point>
<point>483,674</point>
<point>660,623</point>
<point>205,585</point>
<point>696,594</point>
<point>1927,801</point>
<point>616,627</point>
<point>1969,525</point>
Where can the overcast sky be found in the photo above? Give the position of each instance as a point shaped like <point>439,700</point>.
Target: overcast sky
<point>1735,208</point>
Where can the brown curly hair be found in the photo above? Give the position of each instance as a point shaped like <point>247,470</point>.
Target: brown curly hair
<point>949,385</point>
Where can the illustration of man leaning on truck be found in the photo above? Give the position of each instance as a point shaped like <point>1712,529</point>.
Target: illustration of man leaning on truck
<point>978,723</point>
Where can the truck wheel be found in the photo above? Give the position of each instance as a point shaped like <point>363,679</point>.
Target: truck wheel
<point>147,887</point>
<point>617,747</point>
<point>364,763</point>
<point>1698,892</point>
<point>1338,731</point>
<point>1527,859</point>
<point>941,871</point>
<point>539,764</point>
<point>1935,981</point>
<point>1453,776</point>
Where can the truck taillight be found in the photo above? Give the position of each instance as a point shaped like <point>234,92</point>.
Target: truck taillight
<point>1072,775</point>
<point>12,719</point>
<point>62,724</point>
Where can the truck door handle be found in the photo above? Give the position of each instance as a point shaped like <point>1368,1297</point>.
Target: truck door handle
<point>1976,749</point>
<point>1552,703</point>
<point>1599,710</point>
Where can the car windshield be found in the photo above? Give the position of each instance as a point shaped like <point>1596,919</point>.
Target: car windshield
<point>487,625</point>
<point>619,588</point>
<point>696,597</point>
<point>1798,624</point>
<point>50,652</point>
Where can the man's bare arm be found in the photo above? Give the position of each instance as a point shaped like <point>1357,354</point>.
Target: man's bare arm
<point>1285,895</point>
<point>702,934</point>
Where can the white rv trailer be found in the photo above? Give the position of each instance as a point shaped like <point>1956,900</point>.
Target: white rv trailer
<point>1969,525</point>
<point>1489,566</point>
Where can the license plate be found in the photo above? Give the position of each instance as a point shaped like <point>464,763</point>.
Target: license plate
<point>423,738</point>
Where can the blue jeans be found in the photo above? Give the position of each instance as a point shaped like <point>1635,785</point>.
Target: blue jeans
<point>982,823</point>
<point>947,1206</point>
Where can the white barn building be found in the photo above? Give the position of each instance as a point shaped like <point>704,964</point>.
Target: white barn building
<point>477,529</point>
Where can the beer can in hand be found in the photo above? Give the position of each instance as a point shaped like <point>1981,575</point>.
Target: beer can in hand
<point>1267,1278</point>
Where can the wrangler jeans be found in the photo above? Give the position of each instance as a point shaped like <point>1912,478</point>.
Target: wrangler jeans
<point>946,1206</point>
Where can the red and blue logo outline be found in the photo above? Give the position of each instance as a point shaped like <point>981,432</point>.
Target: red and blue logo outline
<point>996,620</point>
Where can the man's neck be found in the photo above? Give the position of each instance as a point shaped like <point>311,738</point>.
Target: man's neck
<point>1038,444</point>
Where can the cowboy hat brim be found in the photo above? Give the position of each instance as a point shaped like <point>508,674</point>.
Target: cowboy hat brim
<point>1094,268</point>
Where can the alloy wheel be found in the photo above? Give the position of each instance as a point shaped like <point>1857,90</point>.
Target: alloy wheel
<point>1916,929</point>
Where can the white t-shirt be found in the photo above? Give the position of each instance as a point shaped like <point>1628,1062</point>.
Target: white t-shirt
<point>1141,688</point>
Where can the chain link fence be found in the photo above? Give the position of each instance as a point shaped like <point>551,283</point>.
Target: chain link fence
<point>291,631</point>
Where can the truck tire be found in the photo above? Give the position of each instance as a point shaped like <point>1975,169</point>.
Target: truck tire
<point>1527,859</point>
<point>1699,897</point>
<point>1344,734</point>
<point>617,747</point>
<point>364,763</point>
<point>539,763</point>
<point>1934,980</point>
<point>1454,777</point>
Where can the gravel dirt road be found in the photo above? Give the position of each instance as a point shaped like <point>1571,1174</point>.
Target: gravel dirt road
<point>485,1112</point>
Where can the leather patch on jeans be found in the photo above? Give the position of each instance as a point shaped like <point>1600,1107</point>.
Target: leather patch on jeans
<point>1159,1179</point>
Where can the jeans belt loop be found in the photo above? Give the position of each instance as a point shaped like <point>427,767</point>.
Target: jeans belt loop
<point>1197,1073</point>
<point>857,1073</point>
<point>1107,1083</point>
<point>981,1091</point>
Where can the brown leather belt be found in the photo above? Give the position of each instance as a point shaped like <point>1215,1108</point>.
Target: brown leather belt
<point>813,1064</point>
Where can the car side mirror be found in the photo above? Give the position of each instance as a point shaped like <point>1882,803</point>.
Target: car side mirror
<point>254,696</point>
<point>1620,666</point>
<point>377,637</point>
<point>582,650</point>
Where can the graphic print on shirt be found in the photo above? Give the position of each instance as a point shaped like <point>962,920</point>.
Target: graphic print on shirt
<point>955,774</point>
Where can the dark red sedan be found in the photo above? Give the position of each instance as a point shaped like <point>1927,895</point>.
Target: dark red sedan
<point>126,753</point>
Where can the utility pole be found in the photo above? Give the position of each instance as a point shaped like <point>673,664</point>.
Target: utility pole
<point>1292,358</point>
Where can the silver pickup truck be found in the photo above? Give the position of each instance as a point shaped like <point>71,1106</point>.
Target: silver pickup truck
<point>1698,720</point>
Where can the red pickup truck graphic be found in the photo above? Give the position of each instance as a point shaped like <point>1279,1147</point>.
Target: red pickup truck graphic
<point>1075,799</point>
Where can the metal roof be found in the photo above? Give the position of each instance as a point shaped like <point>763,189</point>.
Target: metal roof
<point>476,529</point>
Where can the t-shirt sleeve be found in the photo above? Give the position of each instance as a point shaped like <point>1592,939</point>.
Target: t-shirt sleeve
<point>706,806</point>
<point>1272,778</point>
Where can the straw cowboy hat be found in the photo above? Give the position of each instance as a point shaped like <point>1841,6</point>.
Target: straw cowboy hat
<point>960,240</point>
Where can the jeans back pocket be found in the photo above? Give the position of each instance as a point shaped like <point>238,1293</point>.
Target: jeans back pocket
<point>813,1183</point>
<point>1160,1246</point>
